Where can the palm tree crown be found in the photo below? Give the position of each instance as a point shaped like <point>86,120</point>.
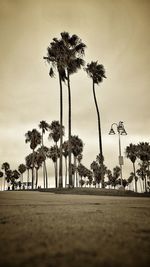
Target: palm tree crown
<point>95,71</point>
<point>34,137</point>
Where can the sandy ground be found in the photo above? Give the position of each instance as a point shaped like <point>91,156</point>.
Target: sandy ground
<point>44,229</point>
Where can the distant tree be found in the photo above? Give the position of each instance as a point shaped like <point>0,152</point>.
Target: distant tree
<point>97,72</point>
<point>142,174</point>
<point>144,156</point>
<point>34,138</point>
<point>28,161</point>
<point>14,175</point>
<point>22,168</point>
<point>1,175</point>
<point>5,167</point>
<point>56,131</point>
<point>81,170</point>
<point>131,153</point>
<point>116,175</point>
<point>124,183</point>
<point>90,177</point>
<point>130,179</point>
<point>44,126</point>
<point>54,154</point>
<point>99,170</point>
<point>110,177</point>
<point>39,159</point>
<point>77,149</point>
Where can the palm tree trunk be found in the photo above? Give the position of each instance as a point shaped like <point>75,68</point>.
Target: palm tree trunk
<point>61,136</point>
<point>75,165</point>
<point>55,166</point>
<point>69,130</point>
<point>44,180</point>
<point>135,177</point>
<point>4,182</point>
<point>65,171</point>
<point>140,184</point>
<point>145,180</point>
<point>99,130</point>
<point>36,183</point>
<point>33,170</point>
<point>43,175</point>
<point>46,177</point>
<point>27,178</point>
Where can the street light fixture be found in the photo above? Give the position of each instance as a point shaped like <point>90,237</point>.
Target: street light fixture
<point>121,131</point>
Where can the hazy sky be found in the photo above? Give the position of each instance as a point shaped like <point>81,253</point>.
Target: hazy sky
<point>116,33</point>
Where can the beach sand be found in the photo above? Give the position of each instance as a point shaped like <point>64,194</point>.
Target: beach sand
<point>44,229</point>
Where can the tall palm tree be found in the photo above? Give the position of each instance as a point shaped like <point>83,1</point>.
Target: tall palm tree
<point>44,126</point>
<point>5,167</point>
<point>131,153</point>
<point>54,154</point>
<point>55,58</point>
<point>97,72</point>
<point>71,50</point>
<point>34,138</point>
<point>74,51</point>
<point>22,168</point>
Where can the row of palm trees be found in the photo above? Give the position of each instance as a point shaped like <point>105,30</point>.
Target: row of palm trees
<point>139,153</point>
<point>65,55</point>
<point>97,175</point>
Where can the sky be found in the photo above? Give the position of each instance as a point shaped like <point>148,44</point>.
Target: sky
<point>116,33</point>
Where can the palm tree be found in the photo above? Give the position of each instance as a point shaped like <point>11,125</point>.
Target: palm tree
<point>142,173</point>
<point>109,176</point>
<point>5,167</point>
<point>81,171</point>
<point>144,156</point>
<point>34,138</point>
<point>55,57</point>
<point>39,159</point>
<point>130,179</point>
<point>13,176</point>
<point>97,72</point>
<point>28,161</point>
<point>72,51</point>
<point>77,149</point>
<point>65,154</point>
<point>116,174</point>
<point>56,131</point>
<point>44,126</point>
<point>90,177</point>
<point>131,153</point>
<point>54,154</point>
<point>22,168</point>
<point>1,175</point>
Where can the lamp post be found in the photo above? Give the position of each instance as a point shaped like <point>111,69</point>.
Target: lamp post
<point>121,131</point>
